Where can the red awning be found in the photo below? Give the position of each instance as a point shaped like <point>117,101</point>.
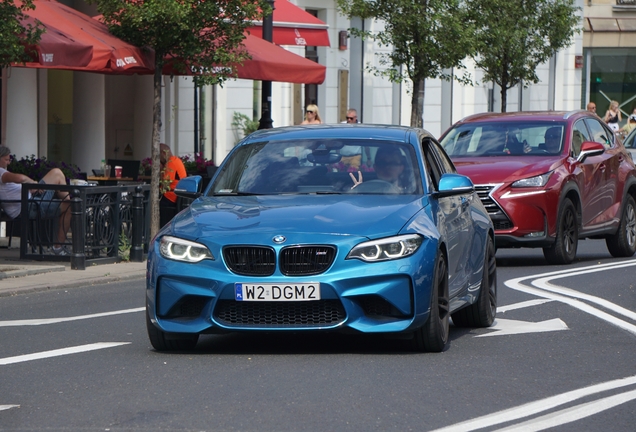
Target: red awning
<point>270,62</point>
<point>56,48</point>
<point>109,53</point>
<point>294,26</point>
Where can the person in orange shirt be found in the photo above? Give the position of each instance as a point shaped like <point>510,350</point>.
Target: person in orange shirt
<point>172,170</point>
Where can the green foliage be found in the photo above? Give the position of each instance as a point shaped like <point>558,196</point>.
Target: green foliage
<point>427,38</point>
<point>16,40</point>
<point>124,247</point>
<point>244,124</point>
<point>514,37</point>
<point>202,37</point>
<point>36,168</point>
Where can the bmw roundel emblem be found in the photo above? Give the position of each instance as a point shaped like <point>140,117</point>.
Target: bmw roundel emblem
<point>279,239</point>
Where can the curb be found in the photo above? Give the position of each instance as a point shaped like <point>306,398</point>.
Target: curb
<point>99,280</point>
<point>12,271</point>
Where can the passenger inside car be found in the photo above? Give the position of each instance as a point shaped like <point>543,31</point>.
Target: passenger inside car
<point>552,141</point>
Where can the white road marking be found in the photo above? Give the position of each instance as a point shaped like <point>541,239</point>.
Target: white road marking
<point>508,327</point>
<point>536,407</point>
<point>569,297</point>
<point>572,414</point>
<point>60,352</point>
<point>6,407</point>
<point>35,322</point>
<point>521,305</point>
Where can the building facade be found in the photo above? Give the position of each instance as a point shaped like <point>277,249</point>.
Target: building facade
<point>84,117</point>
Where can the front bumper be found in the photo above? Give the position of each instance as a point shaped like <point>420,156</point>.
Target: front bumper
<point>383,297</point>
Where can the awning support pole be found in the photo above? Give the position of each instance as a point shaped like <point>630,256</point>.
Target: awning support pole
<point>266,121</point>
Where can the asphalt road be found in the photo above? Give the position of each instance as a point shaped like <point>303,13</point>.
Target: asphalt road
<point>560,356</point>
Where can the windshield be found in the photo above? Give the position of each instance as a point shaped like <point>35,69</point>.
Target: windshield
<point>501,139</point>
<point>360,166</point>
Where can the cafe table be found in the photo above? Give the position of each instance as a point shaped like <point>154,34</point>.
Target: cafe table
<point>107,181</point>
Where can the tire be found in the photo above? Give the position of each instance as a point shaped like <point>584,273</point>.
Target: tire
<point>623,243</point>
<point>482,312</point>
<point>162,341</point>
<point>433,336</point>
<point>563,251</point>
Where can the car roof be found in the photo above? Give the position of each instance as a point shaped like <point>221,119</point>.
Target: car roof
<point>525,116</point>
<point>330,131</point>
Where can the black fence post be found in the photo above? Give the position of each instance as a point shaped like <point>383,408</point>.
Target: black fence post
<point>78,257</point>
<point>137,248</point>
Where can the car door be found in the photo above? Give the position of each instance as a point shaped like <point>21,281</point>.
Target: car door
<point>601,177</point>
<point>454,219</point>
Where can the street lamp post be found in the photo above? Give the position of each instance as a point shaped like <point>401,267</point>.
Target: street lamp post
<point>266,121</point>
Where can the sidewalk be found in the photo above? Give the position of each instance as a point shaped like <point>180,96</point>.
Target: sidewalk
<point>21,276</point>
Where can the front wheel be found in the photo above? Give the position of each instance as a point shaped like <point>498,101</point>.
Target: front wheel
<point>563,251</point>
<point>433,336</point>
<point>162,341</point>
<point>623,243</point>
<point>482,312</point>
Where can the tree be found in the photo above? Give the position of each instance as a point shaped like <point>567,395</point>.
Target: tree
<point>191,35</point>
<point>514,37</point>
<point>427,37</point>
<point>16,38</point>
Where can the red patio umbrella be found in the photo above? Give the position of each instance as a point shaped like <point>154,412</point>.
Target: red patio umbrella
<point>56,48</point>
<point>110,54</point>
<point>294,26</point>
<point>270,62</point>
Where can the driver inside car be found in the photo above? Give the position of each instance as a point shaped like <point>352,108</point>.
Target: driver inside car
<point>389,166</point>
<point>553,140</point>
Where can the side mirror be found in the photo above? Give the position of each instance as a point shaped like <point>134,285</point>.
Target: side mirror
<point>589,149</point>
<point>188,187</point>
<point>454,184</point>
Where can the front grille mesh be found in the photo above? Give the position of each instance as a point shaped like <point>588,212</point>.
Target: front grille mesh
<point>279,314</point>
<point>499,219</point>
<point>250,260</point>
<point>306,260</point>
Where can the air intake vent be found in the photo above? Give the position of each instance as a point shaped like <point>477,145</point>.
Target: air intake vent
<point>279,314</point>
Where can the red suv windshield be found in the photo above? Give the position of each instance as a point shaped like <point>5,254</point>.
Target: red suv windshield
<point>500,139</point>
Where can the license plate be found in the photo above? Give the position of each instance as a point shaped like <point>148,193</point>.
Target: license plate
<point>277,292</point>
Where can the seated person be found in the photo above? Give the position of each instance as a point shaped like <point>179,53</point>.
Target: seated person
<point>172,170</point>
<point>11,190</point>
<point>390,166</point>
<point>552,140</point>
<point>513,145</point>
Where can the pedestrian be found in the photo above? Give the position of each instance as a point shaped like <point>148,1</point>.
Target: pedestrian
<point>49,203</point>
<point>631,124</point>
<point>172,170</point>
<point>591,107</point>
<point>352,116</point>
<point>312,115</point>
<point>613,116</point>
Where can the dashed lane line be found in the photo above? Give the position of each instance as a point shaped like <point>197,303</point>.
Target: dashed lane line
<point>35,322</point>
<point>59,352</point>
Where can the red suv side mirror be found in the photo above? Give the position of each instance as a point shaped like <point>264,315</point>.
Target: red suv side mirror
<point>590,148</point>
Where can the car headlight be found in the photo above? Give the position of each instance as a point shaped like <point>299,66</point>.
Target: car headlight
<point>537,181</point>
<point>183,250</point>
<point>386,249</point>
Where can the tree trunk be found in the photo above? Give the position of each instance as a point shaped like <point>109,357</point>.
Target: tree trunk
<point>504,98</point>
<point>417,104</point>
<point>156,163</point>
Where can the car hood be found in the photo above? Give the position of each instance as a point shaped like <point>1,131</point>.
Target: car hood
<point>242,218</point>
<point>505,169</point>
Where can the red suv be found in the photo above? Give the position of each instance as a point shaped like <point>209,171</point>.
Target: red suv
<point>548,179</point>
